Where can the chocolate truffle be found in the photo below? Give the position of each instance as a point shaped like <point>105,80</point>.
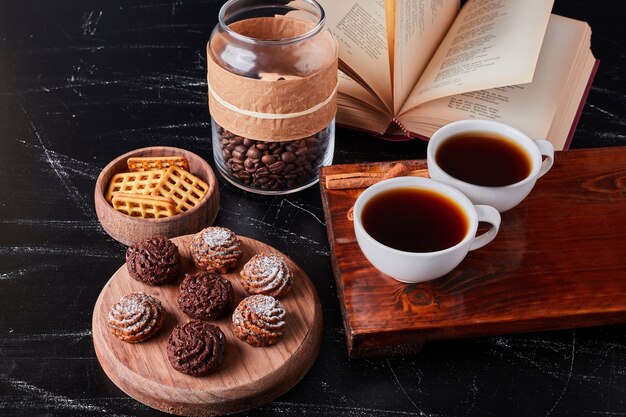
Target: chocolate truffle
<point>136,317</point>
<point>153,261</point>
<point>196,348</point>
<point>205,295</point>
<point>215,249</point>
<point>259,320</point>
<point>267,274</point>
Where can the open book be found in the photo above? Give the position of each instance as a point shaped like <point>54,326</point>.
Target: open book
<point>409,67</point>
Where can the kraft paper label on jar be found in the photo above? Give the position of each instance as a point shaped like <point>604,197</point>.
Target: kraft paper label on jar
<point>273,107</point>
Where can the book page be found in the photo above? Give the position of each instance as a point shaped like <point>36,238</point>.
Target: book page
<point>419,28</point>
<point>349,87</point>
<point>357,115</point>
<point>390,20</point>
<point>566,117</point>
<point>492,43</point>
<point>532,108</point>
<point>360,29</point>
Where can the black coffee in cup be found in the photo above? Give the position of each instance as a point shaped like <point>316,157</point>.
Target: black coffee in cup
<point>484,158</point>
<point>415,220</point>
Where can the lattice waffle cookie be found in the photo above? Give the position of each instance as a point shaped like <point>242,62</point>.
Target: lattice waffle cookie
<point>155,193</point>
<point>185,189</point>
<point>134,182</point>
<point>152,163</point>
<point>146,206</point>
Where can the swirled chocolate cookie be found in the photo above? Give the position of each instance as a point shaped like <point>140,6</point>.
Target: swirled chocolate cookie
<point>259,320</point>
<point>136,317</point>
<point>205,295</point>
<point>153,261</point>
<point>196,348</point>
<point>267,274</point>
<point>215,249</point>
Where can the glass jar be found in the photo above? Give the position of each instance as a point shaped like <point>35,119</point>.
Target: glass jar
<point>272,71</point>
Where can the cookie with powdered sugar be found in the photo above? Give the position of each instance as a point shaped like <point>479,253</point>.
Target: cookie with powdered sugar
<point>259,320</point>
<point>136,317</point>
<point>267,274</point>
<point>215,249</point>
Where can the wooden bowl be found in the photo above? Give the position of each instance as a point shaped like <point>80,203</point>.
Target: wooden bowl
<point>127,229</point>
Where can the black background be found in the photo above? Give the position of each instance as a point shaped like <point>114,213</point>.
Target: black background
<point>83,81</point>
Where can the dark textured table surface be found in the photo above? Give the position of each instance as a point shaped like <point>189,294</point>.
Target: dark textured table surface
<point>84,81</point>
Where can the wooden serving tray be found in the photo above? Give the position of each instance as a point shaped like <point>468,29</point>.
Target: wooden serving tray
<point>559,261</point>
<point>249,376</point>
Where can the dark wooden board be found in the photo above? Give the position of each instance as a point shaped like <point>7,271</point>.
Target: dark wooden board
<point>249,376</point>
<point>558,262</point>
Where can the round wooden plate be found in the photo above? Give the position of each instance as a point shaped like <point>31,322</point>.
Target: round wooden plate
<point>249,376</point>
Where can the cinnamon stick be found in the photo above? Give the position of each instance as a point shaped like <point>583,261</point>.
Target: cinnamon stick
<point>352,180</point>
<point>355,180</point>
<point>398,170</point>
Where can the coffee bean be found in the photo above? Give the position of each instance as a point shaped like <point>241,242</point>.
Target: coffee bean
<point>268,159</point>
<point>248,163</point>
<point>244,175</point>
<point>262,172</point>
<point>288,168</point>
<point>272,165</point>
<point>288,156</point>
<point>277,167</point>
<point>235,166</point>
<point>238,155</point>
<point>254,153</point>
<point>311,140</point>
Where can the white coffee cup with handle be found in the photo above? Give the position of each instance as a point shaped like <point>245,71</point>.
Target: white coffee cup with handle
<point>540,154</point>
<point>411,267</point>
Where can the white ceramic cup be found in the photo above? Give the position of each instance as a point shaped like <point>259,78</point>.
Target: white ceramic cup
<point>505,197</point>
<point>423,266</point>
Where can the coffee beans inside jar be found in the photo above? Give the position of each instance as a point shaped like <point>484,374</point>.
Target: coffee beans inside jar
<point>272,167</point>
